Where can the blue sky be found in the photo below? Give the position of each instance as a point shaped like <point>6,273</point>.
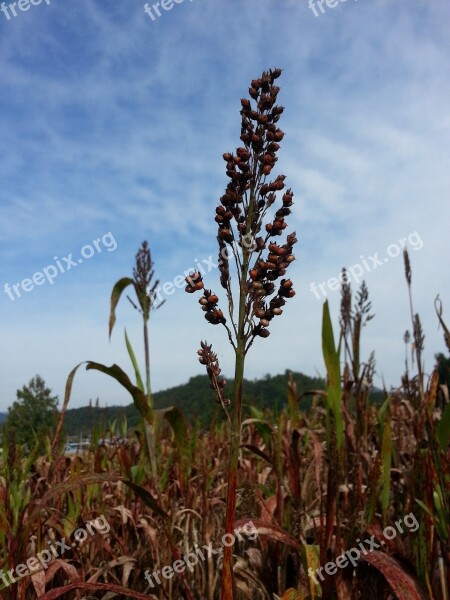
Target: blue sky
<point>114,123</point>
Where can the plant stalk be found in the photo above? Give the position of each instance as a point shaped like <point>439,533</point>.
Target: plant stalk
<point>228,591</point>
<point>149,425</point>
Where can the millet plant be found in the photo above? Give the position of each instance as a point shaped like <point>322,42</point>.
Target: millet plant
<point>248,227</point>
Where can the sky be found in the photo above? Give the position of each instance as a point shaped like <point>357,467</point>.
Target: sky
<point>113,124</point>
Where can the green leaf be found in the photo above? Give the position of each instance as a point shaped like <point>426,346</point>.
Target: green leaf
<point>134,363</point>
<point>425,508</point>
<point>263,428</point>
<point>140,399</point>
<point>310,559</point>
<point>115,297</point>
<point>442,520</point>
<point>331,357</point>
<point>383,409</point>
<point>176,420</point>
<point>255,412</point>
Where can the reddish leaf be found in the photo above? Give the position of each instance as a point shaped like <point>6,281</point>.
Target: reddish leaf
<point>272,532</point>
<point>402,583</point>
<point>102,587</point>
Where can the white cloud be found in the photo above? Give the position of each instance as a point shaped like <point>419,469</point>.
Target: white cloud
<point>115,123</point>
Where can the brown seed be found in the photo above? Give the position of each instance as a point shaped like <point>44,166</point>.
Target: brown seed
<point>287,284</point>
<point>213,299</point>
<point>260,313</point>
<point>264,333</point>
<point>264,323</point>
<point>194,277</point>
<point>253,274</point>
<point>290,258</point>
<point>267,169</point>
<point>277,311</point>
<point>199,285</point>
<point>203,301</point>
<point>227,157</point>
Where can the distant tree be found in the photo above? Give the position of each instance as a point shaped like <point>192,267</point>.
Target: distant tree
<point>443,367</point>
<point>34,412</point>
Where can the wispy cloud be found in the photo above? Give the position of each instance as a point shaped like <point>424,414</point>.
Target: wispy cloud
<point>113,122</point>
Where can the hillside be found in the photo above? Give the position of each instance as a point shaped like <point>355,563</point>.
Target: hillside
<point>195,399</point>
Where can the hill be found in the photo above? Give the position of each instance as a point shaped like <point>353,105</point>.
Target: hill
<point>195,399</point>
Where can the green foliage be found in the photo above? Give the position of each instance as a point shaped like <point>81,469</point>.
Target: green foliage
<point>33,415</point>
<point>197,401</point>
<point>443,368</point>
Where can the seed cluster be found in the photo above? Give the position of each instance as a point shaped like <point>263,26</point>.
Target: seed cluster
<point>143,273</point>
<point>209,358</point>
<point>248,197</point>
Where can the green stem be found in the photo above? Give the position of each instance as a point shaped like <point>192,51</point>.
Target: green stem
<point>228,591</point>
<point>149,425</point>
<point>147,363</point>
